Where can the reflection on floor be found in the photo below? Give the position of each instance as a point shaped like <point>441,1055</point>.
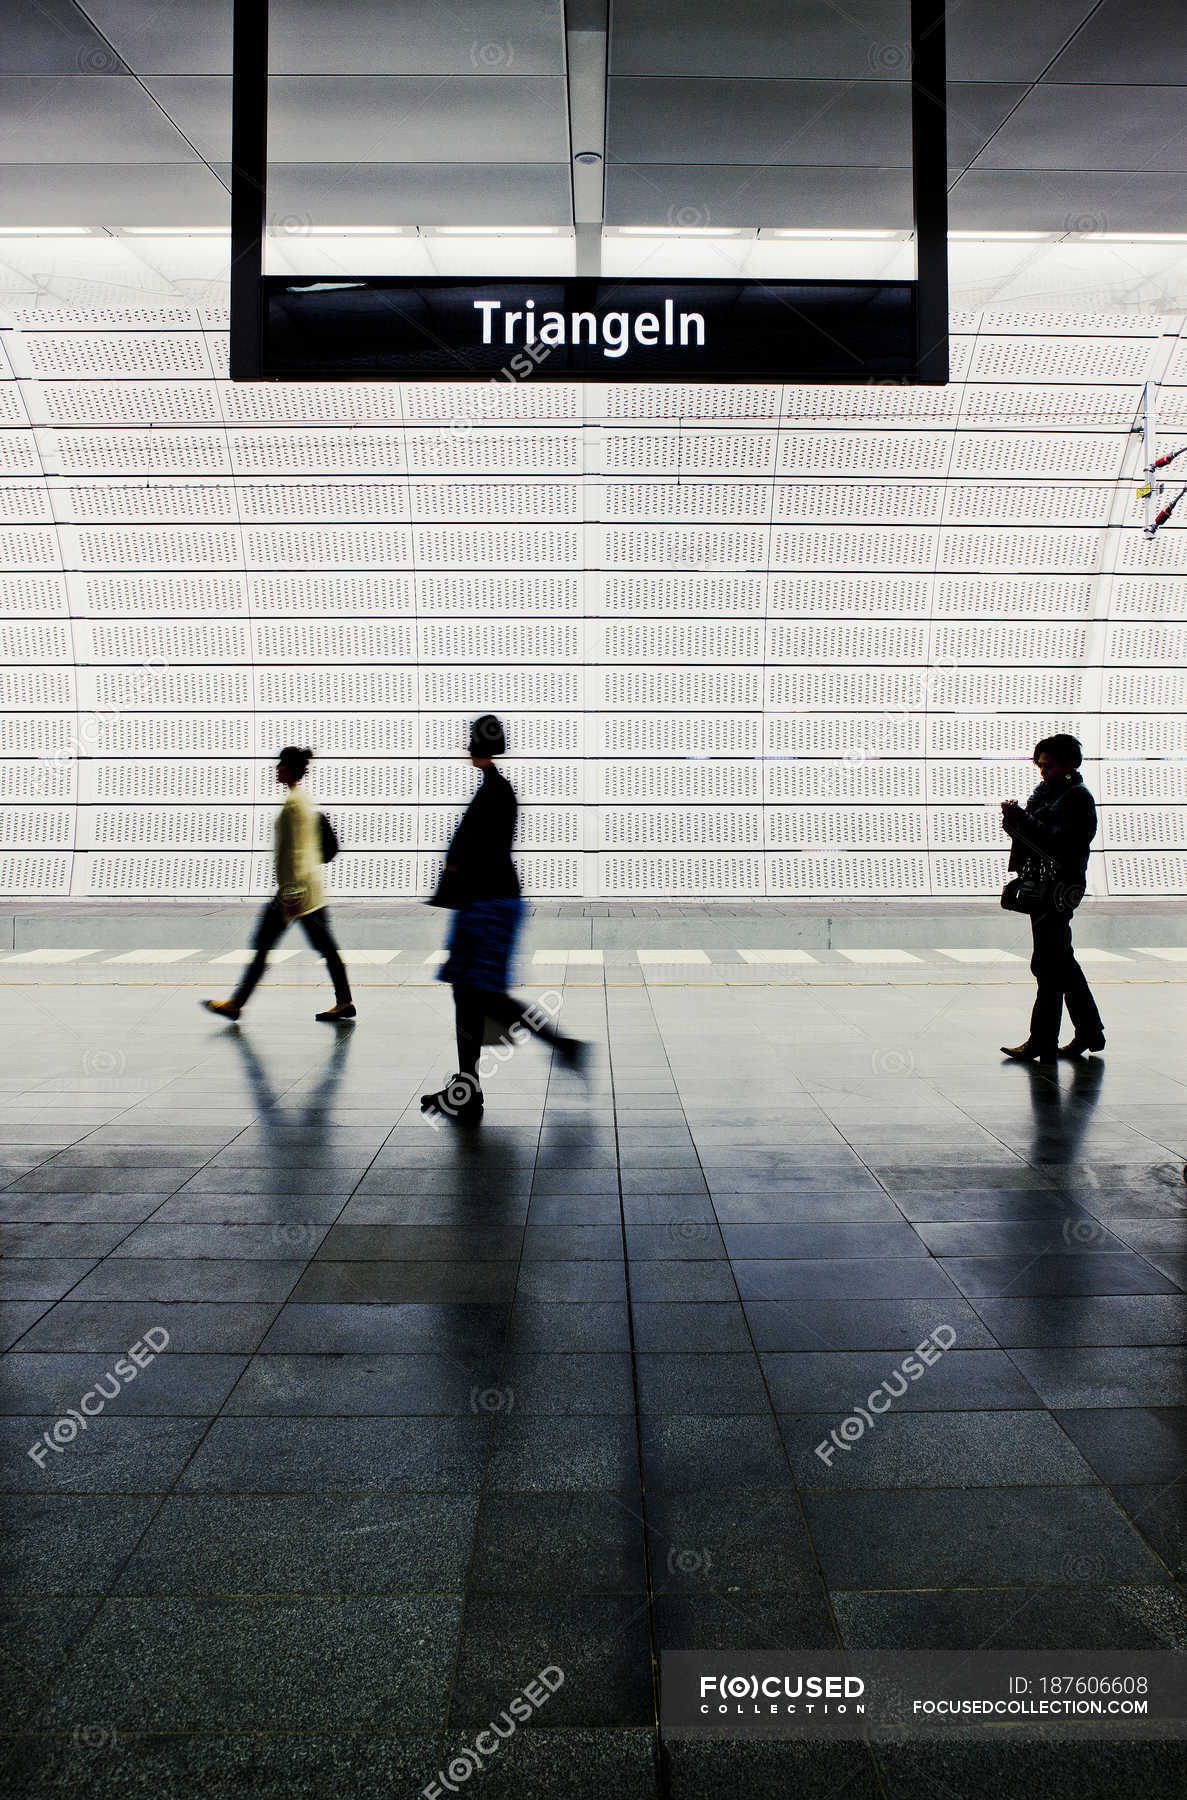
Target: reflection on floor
<point>423,1411</point>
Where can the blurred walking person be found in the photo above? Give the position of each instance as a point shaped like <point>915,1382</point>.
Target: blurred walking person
<point>1051,836</point>
<point>480,885</point>
<point>301,848</point>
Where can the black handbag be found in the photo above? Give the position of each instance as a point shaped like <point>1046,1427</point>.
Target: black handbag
<point>1041,887</point>
<point>327,838</point>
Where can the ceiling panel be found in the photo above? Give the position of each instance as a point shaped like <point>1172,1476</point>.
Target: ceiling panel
<point>52,37</point>
<point>420,194</point>
<point>698,119</point>
<point>1010,40</point>
<point>382,118</point>
<point>84,118</point>
<point>1064,201</point>
<point>1128,40</point>
<point>1131,128</point>
<point>163,194</point>
<point>343,37</point>
<point>799,198</point>
<point>760,37</point>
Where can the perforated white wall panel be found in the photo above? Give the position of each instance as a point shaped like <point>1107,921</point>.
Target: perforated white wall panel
<point>754,640</point>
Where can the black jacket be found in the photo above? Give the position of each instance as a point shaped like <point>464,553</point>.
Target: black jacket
<point>481,846</point>
<point>1060,823</point>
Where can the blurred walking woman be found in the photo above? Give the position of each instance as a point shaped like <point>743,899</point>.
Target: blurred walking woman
<point>299,894</point>
<point>481,886</point>
<point>1050,839</point>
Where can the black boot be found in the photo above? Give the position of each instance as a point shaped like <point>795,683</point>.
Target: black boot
<point>460,1099</point>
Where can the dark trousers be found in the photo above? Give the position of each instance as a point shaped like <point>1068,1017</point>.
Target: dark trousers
<point>1060,980</point>
<point>271,929</point>
<point>472,1008</point>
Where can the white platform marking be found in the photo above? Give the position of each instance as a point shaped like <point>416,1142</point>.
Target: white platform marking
<point>151,956</point>
<point>1100,956</point>
<point>879,956</point>
<point>49,956</point>
<point>436,957</point>
<point>983,956</point>
<point>667,957</point>
<point>1175,953</point>
<point>245,956</point>
<point>369,958</point>
<point>776,956</point>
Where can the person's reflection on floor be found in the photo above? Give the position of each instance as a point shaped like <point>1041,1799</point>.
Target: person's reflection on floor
<point>1062,1115</point>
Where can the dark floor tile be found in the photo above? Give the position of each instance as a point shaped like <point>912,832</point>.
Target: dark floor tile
<point>830,1381</point>
<point>446,1283</point>
<point>581,1765</point>
<point>688,1325</point>
<point>984,1206</point>
<point>541,1326</point>
<point>1092,1616</point>
<point>922,1450</point>
<point>574,1282</point>
<point>1073,1272</point>
<point>175,1766</point>
<point>573,1209</point>
<point>810,1206</point>
<point>862,1324</point>
<point>555,1243</point>
<point>599,1641</point>
<point>18,1317</point>
<point>668,1209</point>
<point>65,1210</point>
<point>1160,1514</point>
<point>849,1278</point>
<point>822,1242</point>
<point>111,1325</point>
<point>736,1541</point>
<point>989,1537</point>
<point>68,1543</point>
<point>464,1330</point>
<point>421,1243</point>
<point>549,1454</point>
<point>305,1544</point>
<point>349,1386</point>
<point>981,1767</point>
<point>707,1383</point>
<point>682,1280</point>
<point>33,1382</point>
<point>328,1456</point>
<point>113,1455</point>
<point>1087,1319</point>
<point>1124,1444</point>
<point>566,1543</point>
<point>37,1635</point>
<point>41,1278</point>
<point>161,1278</point>
<point>728,1623</point>
<point>685,1453</point>
<point>263,1665</point>
<point>1174,1268</point>
<point>808,1768</point>
<point>258,1210</point>
<point>568,1383</point>
<point>1154,1375</point>
<point>73,1239</point>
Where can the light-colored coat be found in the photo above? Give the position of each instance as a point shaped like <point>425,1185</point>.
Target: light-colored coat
<point>298,854</point>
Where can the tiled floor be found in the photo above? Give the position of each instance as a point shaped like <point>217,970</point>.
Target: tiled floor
<point>438,1408</point>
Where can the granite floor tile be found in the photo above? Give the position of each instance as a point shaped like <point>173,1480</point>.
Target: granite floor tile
<point>1159,1513</point>
<point>1127,1444</point>
<point>1090,1616</point>
<point>675,1325</point>
<point>113,1455</point>
<point>955,1450</point>
<point>1050,1319</point>
<point>722,1383</point>
<point>734,1541</point>
<point>550,1454</point>
<point>339,1456</point>
<point>179,1384</point>
<point>684,1453</point>
<point>853,1324</point>
<point>559,1543</point>
<point>599,1641</point>
<point>68,1543</point>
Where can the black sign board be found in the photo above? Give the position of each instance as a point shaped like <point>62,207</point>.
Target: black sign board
<point>586,328</point>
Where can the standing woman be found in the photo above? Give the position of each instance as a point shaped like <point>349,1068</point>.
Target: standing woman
<point>299,895</point>
<point>1056,826</point>
<point>481,885</point>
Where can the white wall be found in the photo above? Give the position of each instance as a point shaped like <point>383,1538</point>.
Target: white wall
<point>749,640</point>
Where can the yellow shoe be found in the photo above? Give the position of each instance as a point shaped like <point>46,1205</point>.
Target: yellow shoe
<point>226,1009</point>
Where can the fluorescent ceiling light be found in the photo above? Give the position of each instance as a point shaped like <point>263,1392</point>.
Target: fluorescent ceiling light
<point>1131,237</point>
<point>468,231</point>
<point>841,237</point>
<point>1006,237</point>
<point>45,231</point>
<point>681,231</point>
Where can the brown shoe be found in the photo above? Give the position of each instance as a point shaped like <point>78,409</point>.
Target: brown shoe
<point>343,1010</point>
<point>1028,1052</point>
<point>226,1009</point>
<point>1078,1046</point>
